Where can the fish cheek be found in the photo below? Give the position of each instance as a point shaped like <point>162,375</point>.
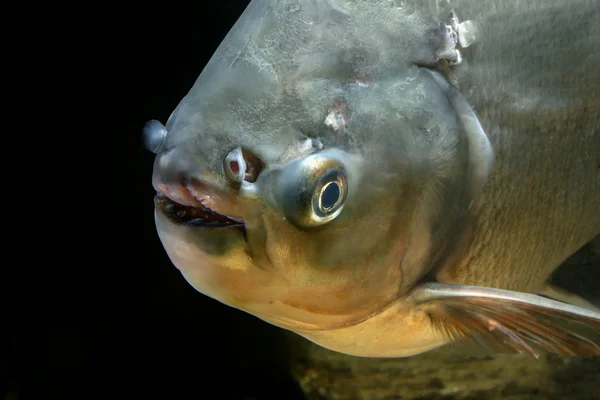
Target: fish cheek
<point>227,275</point>
<point>340,270</point>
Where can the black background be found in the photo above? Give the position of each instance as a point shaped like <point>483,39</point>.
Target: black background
<point>103,314</point>
<point>112,318</point>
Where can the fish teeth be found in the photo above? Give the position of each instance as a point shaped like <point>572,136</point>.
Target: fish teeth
<point>196,222</point>
<point>199,215</point>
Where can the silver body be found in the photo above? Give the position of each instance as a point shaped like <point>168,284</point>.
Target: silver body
<point>367,85</point>
<point>533,79</point>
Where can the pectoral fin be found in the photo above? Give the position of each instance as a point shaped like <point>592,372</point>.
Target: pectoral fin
<point>511,320</point>
<point>560,294</point>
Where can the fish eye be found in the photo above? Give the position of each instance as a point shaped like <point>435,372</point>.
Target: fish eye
<point>241,165</point>
<point>154,134</point>
<point>329,194</point>
<point>312,191</point>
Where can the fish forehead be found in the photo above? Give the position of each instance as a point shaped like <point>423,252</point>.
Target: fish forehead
<point>289,66</point>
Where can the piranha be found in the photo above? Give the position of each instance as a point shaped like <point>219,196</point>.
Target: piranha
<point>387,177</point>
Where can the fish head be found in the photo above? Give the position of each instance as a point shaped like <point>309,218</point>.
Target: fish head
<point>305,177</point>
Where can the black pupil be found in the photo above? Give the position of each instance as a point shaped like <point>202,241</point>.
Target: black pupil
<point>330,195</point>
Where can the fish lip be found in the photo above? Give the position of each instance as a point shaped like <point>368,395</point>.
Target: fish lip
<point>196,215</point>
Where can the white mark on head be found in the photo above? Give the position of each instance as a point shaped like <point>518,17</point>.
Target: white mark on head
<point>398,3</point>
<point>362,84</point>
<point>300,149</point>
<point>467,33</point>
<point>338,115</point>
<point>335,120</point>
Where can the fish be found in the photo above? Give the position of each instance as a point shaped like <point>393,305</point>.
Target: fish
<point>386,177</point>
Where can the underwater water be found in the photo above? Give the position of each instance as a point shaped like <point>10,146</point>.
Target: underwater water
<point>117,319</point>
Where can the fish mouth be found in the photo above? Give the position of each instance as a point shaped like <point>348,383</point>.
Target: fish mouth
<point>198,215</point>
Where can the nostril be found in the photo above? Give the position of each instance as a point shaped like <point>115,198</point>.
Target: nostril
<point>235,165</point>
<point>241,165</point>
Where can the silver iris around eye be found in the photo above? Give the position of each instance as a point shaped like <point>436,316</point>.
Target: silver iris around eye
<point>312,191</point>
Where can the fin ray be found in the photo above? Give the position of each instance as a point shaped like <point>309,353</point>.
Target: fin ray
<point>512,321</point>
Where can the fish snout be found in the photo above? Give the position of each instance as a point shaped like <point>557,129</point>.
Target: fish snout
<point>189,192</point>
<point>173,173</point>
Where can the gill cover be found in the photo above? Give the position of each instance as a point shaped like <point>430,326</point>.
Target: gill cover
<point>481,153</point>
